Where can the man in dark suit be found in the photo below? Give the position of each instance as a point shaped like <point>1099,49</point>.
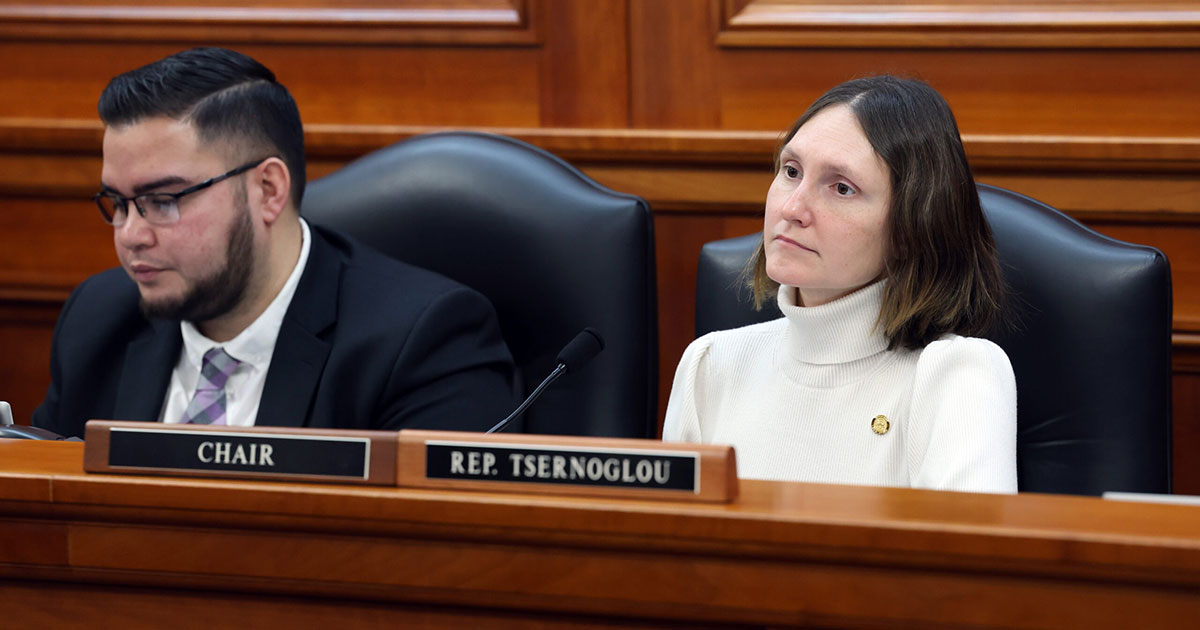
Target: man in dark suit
<point>230,309</point>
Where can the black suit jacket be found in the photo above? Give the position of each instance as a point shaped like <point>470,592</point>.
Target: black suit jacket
<point>367,342</point>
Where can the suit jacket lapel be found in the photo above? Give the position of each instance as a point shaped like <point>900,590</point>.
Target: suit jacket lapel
<point>300,351</point>
<point>149,361</point>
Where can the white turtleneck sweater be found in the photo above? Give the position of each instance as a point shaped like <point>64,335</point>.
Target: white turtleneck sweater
<point>797,397</point>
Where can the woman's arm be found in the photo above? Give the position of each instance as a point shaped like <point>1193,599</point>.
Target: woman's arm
<point>682,423</point>
<point>963,429</point>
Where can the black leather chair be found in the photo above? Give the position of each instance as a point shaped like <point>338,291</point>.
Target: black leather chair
<point>553,250</point>
<point>1091,348</point>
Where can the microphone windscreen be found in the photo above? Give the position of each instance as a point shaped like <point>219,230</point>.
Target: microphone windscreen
<point>587,344</point>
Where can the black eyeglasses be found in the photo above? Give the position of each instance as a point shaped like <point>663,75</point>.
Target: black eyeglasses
<point>157,208</point>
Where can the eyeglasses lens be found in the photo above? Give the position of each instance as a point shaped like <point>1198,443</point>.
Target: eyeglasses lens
<point>157,209</point>
<point>112,208</point>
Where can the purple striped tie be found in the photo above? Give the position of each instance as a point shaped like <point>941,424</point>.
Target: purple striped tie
<point>208,403</point>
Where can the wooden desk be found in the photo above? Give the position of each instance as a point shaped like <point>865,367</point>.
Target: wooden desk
<point>93,551</point>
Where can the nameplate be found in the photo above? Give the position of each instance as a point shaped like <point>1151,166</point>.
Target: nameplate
<point>265,453</point>
<point>567,465</point>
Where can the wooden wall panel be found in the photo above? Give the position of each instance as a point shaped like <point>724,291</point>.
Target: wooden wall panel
<point>52,245</point>
<point>1057,92</point>
<point>671,66</point>
<point>435,87</point>
<point>585,64</point>
<point>429,86</point>
<point>309,22</point>
<point>25,331</point>
<point>1186,432</point>
<point>957,23</point>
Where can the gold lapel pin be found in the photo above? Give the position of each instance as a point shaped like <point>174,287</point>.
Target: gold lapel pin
<point>880,424</point>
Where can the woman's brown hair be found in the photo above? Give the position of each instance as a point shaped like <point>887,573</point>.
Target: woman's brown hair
<point>940,262</point>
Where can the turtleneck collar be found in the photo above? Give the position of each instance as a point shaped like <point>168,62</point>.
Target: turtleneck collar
<point>840,331</point>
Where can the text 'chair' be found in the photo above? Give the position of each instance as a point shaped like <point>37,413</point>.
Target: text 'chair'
<point>1090,344</point>
<point>552,249</point>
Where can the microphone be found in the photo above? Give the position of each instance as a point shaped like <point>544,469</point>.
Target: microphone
<point>587,344</point>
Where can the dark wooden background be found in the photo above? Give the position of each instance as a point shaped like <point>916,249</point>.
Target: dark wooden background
<point>1092,108</point>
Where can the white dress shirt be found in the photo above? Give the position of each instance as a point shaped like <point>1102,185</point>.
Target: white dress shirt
<point>254,347</point>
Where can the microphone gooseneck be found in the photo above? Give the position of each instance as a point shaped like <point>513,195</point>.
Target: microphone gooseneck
<point>586,345</point>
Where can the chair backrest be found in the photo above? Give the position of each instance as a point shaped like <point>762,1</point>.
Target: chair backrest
<point>553,250</point>
<point>1090,345</point>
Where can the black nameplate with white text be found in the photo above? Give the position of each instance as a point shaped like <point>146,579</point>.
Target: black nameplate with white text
<point>563,465</point>
<point>242,452</point>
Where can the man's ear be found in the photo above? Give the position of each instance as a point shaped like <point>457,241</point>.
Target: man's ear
<point>274,183</point>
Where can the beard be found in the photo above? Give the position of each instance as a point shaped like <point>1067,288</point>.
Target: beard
<point>219,292</point>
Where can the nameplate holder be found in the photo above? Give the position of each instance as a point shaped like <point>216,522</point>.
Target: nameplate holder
<point>568,465</point>
<point>257,453</point>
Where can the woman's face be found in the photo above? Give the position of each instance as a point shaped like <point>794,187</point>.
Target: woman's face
<point>826,215</point>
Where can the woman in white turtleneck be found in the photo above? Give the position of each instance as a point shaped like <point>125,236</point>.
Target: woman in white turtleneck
<point>876,249</point>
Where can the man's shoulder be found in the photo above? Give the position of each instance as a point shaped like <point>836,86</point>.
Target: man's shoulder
<point>101,314</point>
<point>114,279</point>
<point>371,273</point>
<point>110,292</point>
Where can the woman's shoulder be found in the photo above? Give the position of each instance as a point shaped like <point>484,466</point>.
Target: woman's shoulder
<point>738,339</point>
<point>951,345</point>
<point>952,352</point>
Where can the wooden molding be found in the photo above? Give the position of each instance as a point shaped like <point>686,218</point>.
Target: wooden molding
<point>1113,179</point>
<point>1185,354</point>
<point>1099,154</point>
<point>950,23</point>
<point>425,22</point>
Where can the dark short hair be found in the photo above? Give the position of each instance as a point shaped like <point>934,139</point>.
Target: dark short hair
<point>940,260</point>
<point>225,95</point>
